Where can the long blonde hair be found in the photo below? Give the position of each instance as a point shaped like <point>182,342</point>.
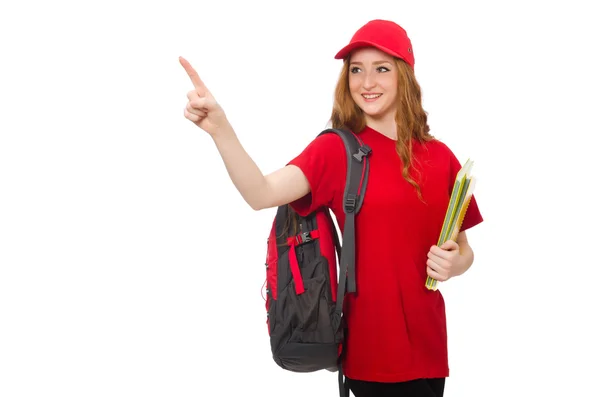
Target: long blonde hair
<point>411,118</point>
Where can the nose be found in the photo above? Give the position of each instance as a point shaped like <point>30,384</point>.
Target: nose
<point>370,81</point>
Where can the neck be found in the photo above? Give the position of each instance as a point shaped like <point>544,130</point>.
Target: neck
<point>385,126</point>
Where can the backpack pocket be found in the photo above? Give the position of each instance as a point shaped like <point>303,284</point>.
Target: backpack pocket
<point>311,340</point>
<point>310,313</point>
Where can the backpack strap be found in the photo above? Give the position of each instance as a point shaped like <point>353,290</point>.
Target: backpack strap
<point>357,174</point>
<point>356,183</point>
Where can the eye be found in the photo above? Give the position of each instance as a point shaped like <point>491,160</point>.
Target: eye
<point>354,69</point>
<point>382,69</point>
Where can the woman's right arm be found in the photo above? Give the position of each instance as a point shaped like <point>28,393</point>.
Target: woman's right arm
<point>280,187</point>
<point>259,191</point>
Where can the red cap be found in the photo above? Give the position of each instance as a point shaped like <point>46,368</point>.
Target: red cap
<point>386,36</point>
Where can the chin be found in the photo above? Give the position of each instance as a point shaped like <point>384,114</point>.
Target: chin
<point>375,114</point>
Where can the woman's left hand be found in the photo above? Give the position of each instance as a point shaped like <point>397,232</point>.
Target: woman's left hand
<point>444,261</point>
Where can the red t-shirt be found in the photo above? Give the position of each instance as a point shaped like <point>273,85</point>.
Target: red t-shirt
<point>396,326</point>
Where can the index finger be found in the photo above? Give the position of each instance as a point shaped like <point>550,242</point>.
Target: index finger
<point>198,84</point>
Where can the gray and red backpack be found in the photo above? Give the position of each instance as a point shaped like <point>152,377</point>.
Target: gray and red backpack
<point>304,298</point>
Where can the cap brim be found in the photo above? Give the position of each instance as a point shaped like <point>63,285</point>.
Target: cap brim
<point>344,52</point>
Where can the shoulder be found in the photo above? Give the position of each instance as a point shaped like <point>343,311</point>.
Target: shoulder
<point>435,152</point>
<point>437,146</point>
<point>322,152</point>
<point>323,164</point>
<point>327,142</point>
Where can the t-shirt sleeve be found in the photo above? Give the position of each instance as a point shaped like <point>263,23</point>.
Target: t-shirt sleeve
<point>323,162</point>
<point>473,215</point>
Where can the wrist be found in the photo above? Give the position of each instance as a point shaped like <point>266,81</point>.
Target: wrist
<point>465,260</point>
<point>224,134</point>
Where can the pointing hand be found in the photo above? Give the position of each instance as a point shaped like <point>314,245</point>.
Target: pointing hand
<point>202,108</point>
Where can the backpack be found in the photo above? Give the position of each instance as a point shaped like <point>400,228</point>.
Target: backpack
<point>304,298</point>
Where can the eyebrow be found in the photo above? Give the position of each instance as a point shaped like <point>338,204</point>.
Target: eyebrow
<point>374,63</point>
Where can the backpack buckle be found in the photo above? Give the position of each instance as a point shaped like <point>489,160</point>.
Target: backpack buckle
<point>363,151</point>
<point>303,238</point>
<point>350,203</point>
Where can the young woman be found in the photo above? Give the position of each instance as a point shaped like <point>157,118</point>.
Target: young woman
<point>396,344</point>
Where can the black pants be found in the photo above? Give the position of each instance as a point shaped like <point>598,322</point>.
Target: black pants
<point>413,388</point>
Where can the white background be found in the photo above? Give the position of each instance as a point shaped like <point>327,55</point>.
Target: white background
<point>130,265</point>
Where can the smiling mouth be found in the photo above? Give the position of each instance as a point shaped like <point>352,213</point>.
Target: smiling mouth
<point>371,96</point>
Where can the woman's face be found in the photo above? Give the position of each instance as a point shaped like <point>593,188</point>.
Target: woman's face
<point>373,82</point>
